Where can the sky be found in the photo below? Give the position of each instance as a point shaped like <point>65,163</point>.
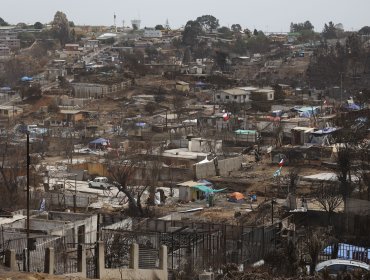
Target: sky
<point>265,15</point>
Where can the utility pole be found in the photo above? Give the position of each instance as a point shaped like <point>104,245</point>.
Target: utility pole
<point>272,210</point>
<point>341,87</point>
<point>28,201</point>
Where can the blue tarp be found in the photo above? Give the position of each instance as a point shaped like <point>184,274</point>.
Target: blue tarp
<point>100,141</point>
<point>26,79</point>
<point>200,84</point>
<point>207,190</point>
<point>307,112</point>
<point>353,107</point>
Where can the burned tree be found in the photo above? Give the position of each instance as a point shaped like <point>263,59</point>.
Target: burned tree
<point>329,197</point>
<point>135,173</point>
<point>122,172</point>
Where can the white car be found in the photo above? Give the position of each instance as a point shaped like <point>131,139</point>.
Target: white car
<point>336,266</point>
<point>100,183</point>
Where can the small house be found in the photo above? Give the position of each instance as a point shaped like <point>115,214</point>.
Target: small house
<point>182,86</point>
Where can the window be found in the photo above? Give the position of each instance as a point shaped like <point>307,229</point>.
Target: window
<point>235,97</point>
<point>245,96</point>
<point>218,96</point>
<point>270,96</point>
<point>226,97</point>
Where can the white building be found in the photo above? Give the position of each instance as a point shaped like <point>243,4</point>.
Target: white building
<point>238,95</point>
<point>152,33</point>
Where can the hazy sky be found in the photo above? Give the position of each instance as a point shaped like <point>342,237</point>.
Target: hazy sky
<point>266,15</point>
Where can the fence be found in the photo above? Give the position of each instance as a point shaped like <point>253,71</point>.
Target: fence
<point>191,246</point>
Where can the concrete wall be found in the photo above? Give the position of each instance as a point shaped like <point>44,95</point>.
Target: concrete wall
<point>225,166</point>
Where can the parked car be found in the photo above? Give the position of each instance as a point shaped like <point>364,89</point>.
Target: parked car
<point>100,183</point>
<point>336,266</point>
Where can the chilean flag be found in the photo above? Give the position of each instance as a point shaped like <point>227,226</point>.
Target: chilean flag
<point>281,163</point>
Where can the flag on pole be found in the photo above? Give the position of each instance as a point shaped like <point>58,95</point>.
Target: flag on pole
<point>281,163</point>
<point>277,172</point>
<point>42,205</point>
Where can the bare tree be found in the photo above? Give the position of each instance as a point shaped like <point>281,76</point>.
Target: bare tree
<point>329,197</point>
<point>135,173</point>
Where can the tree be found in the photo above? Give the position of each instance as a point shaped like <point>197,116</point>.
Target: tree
<point>255,32</point>
<point>329,31</point>
<point>38,25</point>
<point>221,59</point>
<point>60,28</point>
<point>133,174</point>
<point>71,24</point>
<point>299,27</point>
<point>240,46</point>
<point>159,27</point>
<point>208,22</point>
<point>187,58</point>
<point>258,43</point>
<point>225,32</point>
<point>236,28</point>
<point>191,32</point>
<point>364,30</point>
<point>329,197</point>
<point>247,32</point>
<point>3,22</point>
<point>121,172</point>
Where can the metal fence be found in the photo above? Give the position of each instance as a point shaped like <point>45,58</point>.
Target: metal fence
<point>190,247</point>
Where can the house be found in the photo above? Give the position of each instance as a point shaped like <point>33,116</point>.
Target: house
<point>238,95</point>
<point>152,33</point>
<point>263,94</point>
<point>91,44</point>
<point>10,40</point>
<point>71,52</point>
<point>182,86</point>
<point>188,190</point>
<point>4,51</point>
<point>10,111</point>
<point>90,91</point>
<point>80,227</point>
<point>301,135</point>
<point>71,116</point>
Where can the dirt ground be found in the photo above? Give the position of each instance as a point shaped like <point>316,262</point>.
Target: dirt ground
<point>10,275</point>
